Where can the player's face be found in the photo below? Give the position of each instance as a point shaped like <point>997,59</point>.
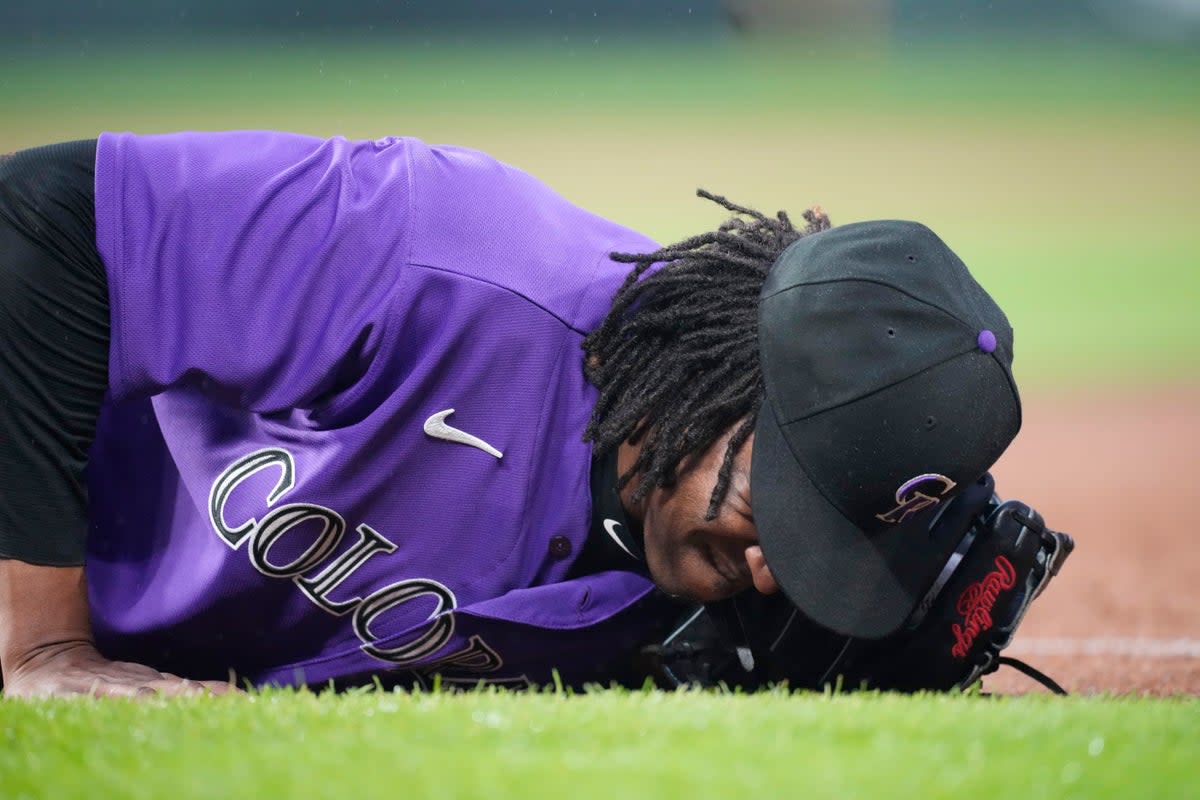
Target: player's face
<point>702,559</point>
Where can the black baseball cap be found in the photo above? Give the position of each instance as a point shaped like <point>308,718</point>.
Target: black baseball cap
<point>889,389</point>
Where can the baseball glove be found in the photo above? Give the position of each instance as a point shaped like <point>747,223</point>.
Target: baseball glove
<point>1004,561</point>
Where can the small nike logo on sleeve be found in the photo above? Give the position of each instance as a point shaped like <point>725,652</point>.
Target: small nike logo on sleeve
<point>436,427</point>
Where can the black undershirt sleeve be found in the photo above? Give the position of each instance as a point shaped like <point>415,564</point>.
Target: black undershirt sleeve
<point>54,332</point>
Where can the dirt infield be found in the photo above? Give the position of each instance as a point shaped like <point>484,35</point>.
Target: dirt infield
<point>1118,471</point>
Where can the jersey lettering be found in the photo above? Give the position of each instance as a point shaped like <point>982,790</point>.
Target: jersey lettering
<point>475,658</point>
<point>319,588</point>
<point>287,518</point>
<point>468,667</point>
<point>280,521</point>
<point>237,472</point>
<point>429,642</point>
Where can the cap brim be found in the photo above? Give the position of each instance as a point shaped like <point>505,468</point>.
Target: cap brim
<point>838,575</point>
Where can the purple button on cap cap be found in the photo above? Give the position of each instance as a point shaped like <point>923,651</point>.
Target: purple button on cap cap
<point>986,341</point>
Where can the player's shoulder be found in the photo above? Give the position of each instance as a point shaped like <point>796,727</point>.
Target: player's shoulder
<point>484,219</point>
<point>469,195</point>
<point>213,155</point>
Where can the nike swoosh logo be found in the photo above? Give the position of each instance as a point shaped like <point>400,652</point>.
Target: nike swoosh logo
<point>436,427</point>
<point>610,527</point>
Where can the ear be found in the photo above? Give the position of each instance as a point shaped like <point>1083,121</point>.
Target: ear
<point>760,573</point>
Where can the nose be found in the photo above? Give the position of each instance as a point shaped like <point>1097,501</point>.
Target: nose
<point>760,573</point>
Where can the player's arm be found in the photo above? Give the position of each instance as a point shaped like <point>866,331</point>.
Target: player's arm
<point>46,645</point>
<point>53,368</point>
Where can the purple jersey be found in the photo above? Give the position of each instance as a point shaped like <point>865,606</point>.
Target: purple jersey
<point>344,430</point>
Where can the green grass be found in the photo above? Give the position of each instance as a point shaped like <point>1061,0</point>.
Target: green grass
<point>1066,175</point>
<point>603,745</point>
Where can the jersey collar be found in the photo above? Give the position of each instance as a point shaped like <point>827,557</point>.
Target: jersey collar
<point>614,542</point>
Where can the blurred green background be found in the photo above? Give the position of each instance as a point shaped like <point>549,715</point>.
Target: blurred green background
<point>1054,145</point>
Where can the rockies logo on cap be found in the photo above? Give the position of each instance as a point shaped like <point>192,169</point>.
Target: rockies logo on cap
<point>882,358</point>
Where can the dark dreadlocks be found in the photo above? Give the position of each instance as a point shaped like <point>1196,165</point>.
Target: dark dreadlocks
<point>676,358</point>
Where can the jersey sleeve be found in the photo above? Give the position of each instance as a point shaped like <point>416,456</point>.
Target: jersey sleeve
<point>255,266</point>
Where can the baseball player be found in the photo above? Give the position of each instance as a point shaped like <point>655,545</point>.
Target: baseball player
<point>307,411</point>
